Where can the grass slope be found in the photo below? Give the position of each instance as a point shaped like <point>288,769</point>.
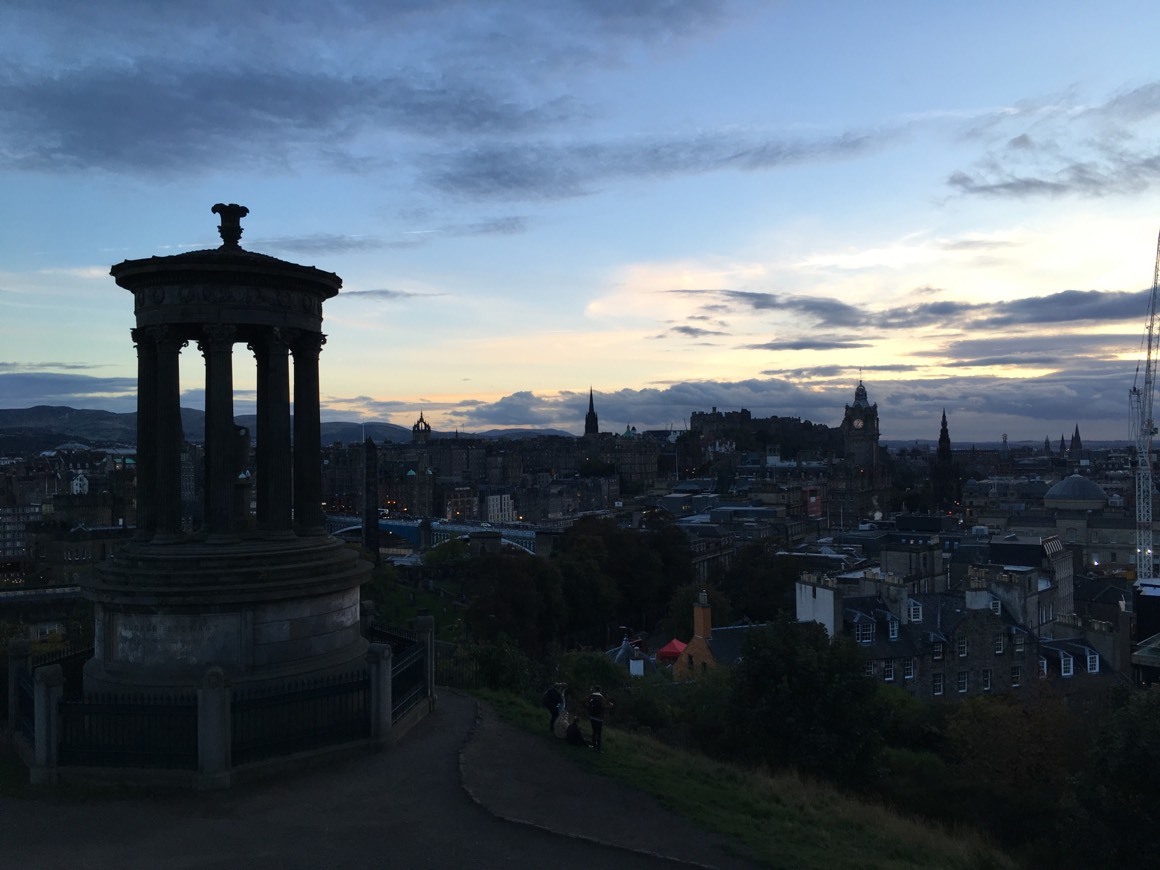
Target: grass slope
<point>783,820</point>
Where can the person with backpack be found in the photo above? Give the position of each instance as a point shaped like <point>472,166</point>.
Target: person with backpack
<point>553,700</point>
<point>597,704</point>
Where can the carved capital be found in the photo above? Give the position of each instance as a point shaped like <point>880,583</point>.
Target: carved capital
<point>216,337</point>
<point>304,343</point>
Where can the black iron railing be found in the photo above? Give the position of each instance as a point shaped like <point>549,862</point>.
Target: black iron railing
<point>300,716</point>
<point>119,731</point>
<point>408,680</point>
<point>25,723</point>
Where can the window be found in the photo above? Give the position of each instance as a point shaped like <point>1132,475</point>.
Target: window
<point>888,670</point>
<point>864,632</point>
<point>996,606</point>
<point>1019,641</point>
<point>868,669</point>
<point>1093,663</point>
<point>1016,676</point>
<point>908,669</point>
<point>986,679</point>
<point>999,644</point>
<point>1067,666</point>
<point>938,652</point>
<point>893,628</point>
<point>1042,666</point>
<point>962,681</point>
<point>962,647</point>
<point>915,611</point>
<point>937,684</point>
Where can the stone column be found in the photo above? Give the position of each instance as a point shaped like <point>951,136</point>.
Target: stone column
<point>379,663</point>
<point>274,451</point>
<point>49,687</point>
<point>146,432</point>
<point>168,435</point>
<point>214,730</point>
<point>217,346</point>
<point>306,347</point>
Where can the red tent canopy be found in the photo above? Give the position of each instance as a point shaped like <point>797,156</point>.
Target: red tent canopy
<point>671,651</point>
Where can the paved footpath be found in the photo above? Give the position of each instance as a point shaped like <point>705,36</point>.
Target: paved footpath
<point>462,790</point>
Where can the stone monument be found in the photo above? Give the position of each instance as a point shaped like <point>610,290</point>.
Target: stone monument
<point>268,597</point>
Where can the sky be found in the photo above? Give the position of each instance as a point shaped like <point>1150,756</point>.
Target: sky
<point>677,205</point>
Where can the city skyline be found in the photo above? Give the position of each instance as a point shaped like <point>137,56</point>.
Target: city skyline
<point>679,206</point>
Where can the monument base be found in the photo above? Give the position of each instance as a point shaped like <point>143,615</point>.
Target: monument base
<point>264,611</point>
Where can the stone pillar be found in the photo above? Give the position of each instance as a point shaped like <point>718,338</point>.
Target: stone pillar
<point>425,625</point>
<point>274,452</point>
<point>19,651</point>
<point>168,435</point>
<point>49,687</point>
<point>306,347</point>
<point>379,664</point>
<point>146,432</point>
<point>214,730</point>
<point>220,462</point>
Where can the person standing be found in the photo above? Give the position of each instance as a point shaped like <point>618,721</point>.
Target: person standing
<point>597,705</point>
<point>554,700</point>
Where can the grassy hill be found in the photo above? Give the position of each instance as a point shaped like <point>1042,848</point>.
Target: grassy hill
<point>782,819</point>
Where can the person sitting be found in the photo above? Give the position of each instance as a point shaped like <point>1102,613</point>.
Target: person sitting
<point>574,735</point>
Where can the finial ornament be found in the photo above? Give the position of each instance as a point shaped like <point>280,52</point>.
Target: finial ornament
<point>231,227</point>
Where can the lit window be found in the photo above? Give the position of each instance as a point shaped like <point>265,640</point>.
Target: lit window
<point>1016,676</point>
<point>937,684</point>
<point>888,670</point>
<point>999,644</point>
<point>986,679</point>
<point>1067,666</point>
<point>1093,663</point>
<point>908,669</point>
<point>962,647</point>
<point>894,629</point>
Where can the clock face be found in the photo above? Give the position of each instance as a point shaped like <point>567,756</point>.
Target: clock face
<point>858,423</point>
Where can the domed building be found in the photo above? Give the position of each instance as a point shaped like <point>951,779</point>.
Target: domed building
<point>1075,492</point>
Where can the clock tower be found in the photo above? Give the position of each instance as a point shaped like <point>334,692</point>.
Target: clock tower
<point>859,484</point>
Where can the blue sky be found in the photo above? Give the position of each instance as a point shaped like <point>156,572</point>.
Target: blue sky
<point>681,205</point>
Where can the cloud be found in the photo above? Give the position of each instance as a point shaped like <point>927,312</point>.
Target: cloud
<point>549,170</point>
<point>1069,150</point>
<point>809,344</point>
<point>385,294</point>
<point>23,388</point>
<point>39,367</point>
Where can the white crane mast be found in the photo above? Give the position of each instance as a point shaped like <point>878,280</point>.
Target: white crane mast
<point>1143,428</point>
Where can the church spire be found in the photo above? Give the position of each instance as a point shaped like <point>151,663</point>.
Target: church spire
<point>591,424</point>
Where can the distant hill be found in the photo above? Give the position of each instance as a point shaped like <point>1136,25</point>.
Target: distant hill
<point>30,430</point>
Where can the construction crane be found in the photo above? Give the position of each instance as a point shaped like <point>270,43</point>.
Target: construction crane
<point>1143,428</point>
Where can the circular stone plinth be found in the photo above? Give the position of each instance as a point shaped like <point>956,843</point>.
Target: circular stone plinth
<point>262,610</point>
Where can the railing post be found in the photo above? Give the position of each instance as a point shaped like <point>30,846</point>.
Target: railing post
<point>379,662</point>
<point>425,625</point>
<point>214,730</point>
<point>19,651</point>
<point>48,683</point>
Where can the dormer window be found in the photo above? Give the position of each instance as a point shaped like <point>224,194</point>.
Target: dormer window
<point>892,628</point>
<point>1093,663</point>
<point>915,611</point>
<point>996,606</point>
<point>864,632</point>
